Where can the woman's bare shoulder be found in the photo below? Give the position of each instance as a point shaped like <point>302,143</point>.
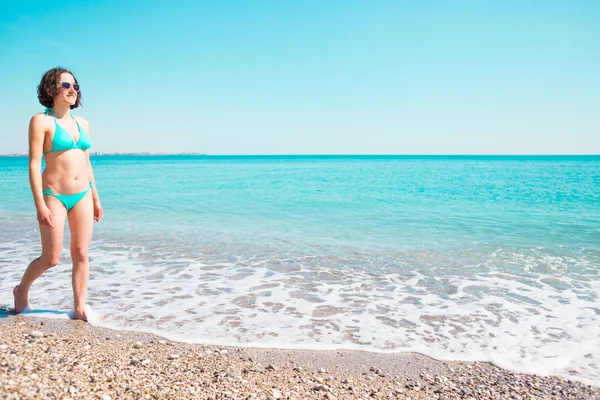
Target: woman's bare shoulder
<point>40,120</point>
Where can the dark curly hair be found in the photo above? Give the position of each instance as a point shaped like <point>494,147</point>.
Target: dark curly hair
<point>48,87</point>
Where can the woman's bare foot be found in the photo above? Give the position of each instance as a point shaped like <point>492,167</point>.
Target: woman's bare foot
<point>80,315</point>
<point>21,300</point>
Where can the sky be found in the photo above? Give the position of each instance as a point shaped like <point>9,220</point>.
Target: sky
<point>312,76</point>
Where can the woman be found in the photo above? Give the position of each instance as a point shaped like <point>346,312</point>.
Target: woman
<point>65,190</point>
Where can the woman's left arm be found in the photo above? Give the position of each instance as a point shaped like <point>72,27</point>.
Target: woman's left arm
<point>98,211</point>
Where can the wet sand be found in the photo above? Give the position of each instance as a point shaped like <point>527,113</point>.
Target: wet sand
<point>63,359</point>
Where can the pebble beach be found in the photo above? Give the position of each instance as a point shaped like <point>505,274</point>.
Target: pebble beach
<point>63,359</point>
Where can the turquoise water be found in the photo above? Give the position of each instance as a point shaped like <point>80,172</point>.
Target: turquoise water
<point>474,258</point>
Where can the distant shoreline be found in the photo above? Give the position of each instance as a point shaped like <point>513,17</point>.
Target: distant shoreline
<point>19,154</point>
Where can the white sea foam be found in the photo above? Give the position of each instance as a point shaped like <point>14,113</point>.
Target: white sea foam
<point>536,322</point>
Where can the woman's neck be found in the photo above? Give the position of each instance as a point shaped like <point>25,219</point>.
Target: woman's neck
<point>61,110</point>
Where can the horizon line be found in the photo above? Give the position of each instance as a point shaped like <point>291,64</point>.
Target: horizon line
<point>145,153</point>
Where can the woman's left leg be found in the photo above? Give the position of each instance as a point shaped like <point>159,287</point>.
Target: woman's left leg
<point>81,224</point>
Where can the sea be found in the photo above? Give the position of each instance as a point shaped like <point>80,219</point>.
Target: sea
<point>480,258</point>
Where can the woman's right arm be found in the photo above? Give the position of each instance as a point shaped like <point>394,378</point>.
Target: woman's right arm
<point>37,132</point>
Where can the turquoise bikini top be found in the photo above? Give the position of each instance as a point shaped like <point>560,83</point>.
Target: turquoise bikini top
<point>62,141</point>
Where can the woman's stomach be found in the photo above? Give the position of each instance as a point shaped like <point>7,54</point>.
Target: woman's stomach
<point>66,172</point>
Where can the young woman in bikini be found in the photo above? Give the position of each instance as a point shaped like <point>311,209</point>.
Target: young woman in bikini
<point>66,188</point>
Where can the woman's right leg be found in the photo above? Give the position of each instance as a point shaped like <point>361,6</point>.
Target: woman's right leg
<point>52,241</point>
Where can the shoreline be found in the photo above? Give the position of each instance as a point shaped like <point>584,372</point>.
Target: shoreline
<point>368,353</point>
<point>57,358</point>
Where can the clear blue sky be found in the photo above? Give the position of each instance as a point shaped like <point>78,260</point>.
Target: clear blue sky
<point>313,76</point>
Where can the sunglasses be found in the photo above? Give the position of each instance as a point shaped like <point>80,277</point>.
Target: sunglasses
<point>67,86</point>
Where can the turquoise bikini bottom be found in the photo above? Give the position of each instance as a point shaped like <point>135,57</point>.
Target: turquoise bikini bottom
<point>68,200</point>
